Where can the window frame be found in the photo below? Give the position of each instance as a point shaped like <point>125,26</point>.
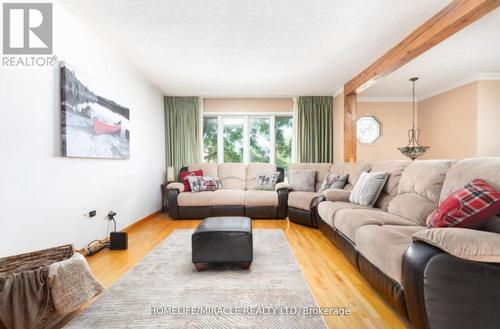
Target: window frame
<point>246,132</point>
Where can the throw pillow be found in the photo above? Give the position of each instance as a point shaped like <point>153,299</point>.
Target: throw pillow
<point>183,177</point>
<point>203,184</point>
<point>333,181</point>
<point>266,180</point>
<point>470,206</point>
<point>368,188</point>
<point>302,180</point>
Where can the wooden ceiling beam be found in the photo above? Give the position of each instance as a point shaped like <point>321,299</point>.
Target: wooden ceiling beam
<point>453,18</point>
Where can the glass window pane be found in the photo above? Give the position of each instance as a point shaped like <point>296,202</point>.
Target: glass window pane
<point>284,134</point>
<point>260,140</point>
<point>210,139</point>
<point>233,139</point>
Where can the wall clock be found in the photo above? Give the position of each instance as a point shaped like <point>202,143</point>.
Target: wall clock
<point>368,129</point>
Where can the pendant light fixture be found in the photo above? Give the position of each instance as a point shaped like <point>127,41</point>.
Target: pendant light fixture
<point>413,149</point>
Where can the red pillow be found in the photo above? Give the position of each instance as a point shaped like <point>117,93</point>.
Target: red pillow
<point>469,206</point>
<point>183,176</point>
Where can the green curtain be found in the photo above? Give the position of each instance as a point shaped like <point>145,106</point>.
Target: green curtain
<point>182,125</point>
<point>315,129</point>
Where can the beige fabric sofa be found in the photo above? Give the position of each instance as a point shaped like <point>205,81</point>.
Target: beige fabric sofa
<point>237,198</point>
<point>389,244</point>
<point>302,206</point>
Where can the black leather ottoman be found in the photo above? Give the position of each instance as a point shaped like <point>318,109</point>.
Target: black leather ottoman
<point>222,240</point>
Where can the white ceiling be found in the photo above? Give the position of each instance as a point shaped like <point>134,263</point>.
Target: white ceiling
<point>252,48</point>
<point>466,56</point>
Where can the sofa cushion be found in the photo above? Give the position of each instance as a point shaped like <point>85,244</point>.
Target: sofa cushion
<point>261,198</point>
<point>190,199</point>
<point>348,221</point>
<point>333,181</point>
<point>321,170</point>
<point>303,200</point>
<point>233,175</point>
<point>302,180</point>
<point>209,169</point>
<point>368,188</point>
<point>470,206</point>
<point>204,183</point>
<point>183,178</point>
<point>385,246</point>
<point>328,209</point>
<point>266,180</point>
<point>463,243</point>
<point>255,168</point>
<point>228,198</point>
<point>395,169</point>
<point>467,170</point>
<point>353,169</point>
<point>419,188</point>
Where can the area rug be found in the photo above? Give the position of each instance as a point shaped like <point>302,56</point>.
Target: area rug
<point>164,290</point>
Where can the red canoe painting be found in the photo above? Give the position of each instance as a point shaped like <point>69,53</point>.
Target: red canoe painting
<point>102,128</point>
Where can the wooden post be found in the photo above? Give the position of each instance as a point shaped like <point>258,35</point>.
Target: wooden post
<point>350,105</point>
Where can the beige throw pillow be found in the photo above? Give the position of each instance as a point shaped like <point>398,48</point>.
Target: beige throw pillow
<point>368,188</point>
<point>302,180</point>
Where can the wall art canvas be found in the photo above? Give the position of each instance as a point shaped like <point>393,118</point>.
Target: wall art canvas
<point>92,126</point>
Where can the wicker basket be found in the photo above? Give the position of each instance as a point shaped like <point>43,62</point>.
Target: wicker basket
<point>32,261</point>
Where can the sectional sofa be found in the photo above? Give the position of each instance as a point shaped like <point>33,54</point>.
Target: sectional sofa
<point>302,206</point>
<point>238,196</point>
<point>437,278</point>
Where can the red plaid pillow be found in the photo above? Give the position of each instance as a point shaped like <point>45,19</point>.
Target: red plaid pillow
<point>469,206</point>
<point>183,177</point>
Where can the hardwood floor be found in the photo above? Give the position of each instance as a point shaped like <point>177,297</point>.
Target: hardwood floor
<point>332,279</point>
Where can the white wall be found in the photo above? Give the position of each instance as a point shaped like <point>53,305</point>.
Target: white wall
<point>43,196</point>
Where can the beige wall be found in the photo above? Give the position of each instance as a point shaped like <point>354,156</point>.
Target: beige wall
<point>264,105</point>
<point>448,123</point>
<point>488,118</point>
<point>395,119</point>
<point>338,128</point>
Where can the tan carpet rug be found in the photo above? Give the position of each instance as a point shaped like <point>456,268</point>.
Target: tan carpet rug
<point>165,291</point>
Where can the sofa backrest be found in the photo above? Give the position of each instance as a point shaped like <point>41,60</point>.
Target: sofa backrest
<point>353,169</point>
<point>209,169</point>
<point>321,169</point>
<point>419,189</point>
<point>236,176</point>
<point>395,169</point>
<point>233,175</point>
<point>465,171</point>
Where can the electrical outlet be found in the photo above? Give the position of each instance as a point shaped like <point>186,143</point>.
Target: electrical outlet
<point>92,213</point>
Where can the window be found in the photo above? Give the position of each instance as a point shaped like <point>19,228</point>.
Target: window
<point>210,139</point>
<point>233,139</point>
<point>284,133</point>
<point>260,140</point>
<point>248,138</point>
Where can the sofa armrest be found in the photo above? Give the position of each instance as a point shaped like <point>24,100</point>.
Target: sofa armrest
<point>173,206</point>
<point>282,202</point>
<point>176,186</point>
<point>335,194</point>
<point>443,291</point>
<point>282,185</point>
<point>463,243</point>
